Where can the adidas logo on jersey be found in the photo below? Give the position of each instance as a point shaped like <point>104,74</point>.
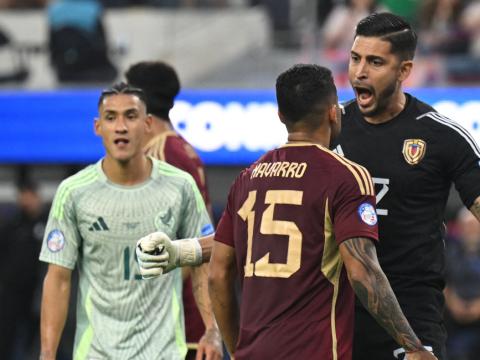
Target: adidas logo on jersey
<point>99,225</point>
<point>339,150</point>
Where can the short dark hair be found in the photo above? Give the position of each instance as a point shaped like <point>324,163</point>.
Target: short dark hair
<point>122,88</point>
<point>391,28</point>
<point>160,83</point>
<point>303,90</point>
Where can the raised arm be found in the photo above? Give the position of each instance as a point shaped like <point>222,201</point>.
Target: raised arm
<point>55,299</point>
<point>373,290</point>
<point>221,281</point>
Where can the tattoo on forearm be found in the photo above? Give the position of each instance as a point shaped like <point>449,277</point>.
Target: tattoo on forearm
<point>377,296</point>
<point>475,208</point>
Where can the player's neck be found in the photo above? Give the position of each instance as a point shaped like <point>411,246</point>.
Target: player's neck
<point>308,137</point>
<point>135,171</point>
<point>395,106</point>
<point>160,126</point>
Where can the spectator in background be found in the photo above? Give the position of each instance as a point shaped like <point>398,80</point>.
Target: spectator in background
<point>462,293</point>
<point>441,31</point>
<point>24,4</point>
<point>20,276</point>
<point>78,44</point>
<point>341,22</point>
<point>337,34</point>
<point>407,9</point>
<point>471,23</point>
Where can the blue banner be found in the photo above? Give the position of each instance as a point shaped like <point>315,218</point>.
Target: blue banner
<point>227,127</point>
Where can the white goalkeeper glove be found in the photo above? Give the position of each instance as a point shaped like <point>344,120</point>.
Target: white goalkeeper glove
<point>157,254</point>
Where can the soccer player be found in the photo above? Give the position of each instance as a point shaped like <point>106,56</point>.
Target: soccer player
<point>95,219</point>
<point>413,154</point>
<point>300,223</point>
<point>161,85</point>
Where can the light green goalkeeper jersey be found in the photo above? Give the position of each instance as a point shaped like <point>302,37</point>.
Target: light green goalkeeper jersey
<point>94,225</point>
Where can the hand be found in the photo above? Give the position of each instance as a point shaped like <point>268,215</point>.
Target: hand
<point>421,355</point>
<point>173,254</point>
<point>151,255</point>
<point>210,345</point>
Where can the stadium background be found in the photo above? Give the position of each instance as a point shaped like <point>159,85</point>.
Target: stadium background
<point>227,54</point>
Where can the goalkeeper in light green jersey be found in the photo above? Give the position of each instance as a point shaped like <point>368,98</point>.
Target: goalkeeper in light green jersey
<point>96,217</point>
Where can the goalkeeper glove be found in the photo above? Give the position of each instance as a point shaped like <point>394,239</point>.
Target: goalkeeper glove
<point>169,254</point>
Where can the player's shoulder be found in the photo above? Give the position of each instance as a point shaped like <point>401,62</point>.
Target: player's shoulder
<point>419,107</point>
<point>444,127</point>
<point>345,171</point>
<point>173,148</point>
<point>82,179</point>
<point>169,171</point>
<point>72,188</point>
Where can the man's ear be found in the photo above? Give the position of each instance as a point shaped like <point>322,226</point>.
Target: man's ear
<point>405,69</point>
<point>333,114</point>
<point>148,123</point>
<point>97,128</point>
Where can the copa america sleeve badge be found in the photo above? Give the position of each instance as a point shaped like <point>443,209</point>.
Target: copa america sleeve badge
<point>55,241</point>
<point>367,214</point>
<point>414,150</point>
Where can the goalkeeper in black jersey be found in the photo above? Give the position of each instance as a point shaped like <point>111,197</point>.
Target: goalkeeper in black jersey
<point>413,154</point>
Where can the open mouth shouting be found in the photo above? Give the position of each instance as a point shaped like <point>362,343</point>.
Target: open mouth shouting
<point>365,95</point>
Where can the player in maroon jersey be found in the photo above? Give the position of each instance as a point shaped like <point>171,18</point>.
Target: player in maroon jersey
<point>300,224</point>
<point>161,85</point>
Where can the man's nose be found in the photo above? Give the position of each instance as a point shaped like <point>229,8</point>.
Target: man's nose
<point>361,70</point>
<point>121,124</point>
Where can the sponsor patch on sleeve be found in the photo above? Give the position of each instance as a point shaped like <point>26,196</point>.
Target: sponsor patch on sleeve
<point>207,230</point>
<point>367,214</point>
<point>55,241</point>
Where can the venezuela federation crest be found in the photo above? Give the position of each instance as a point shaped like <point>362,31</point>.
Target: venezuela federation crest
<point>414,150</point>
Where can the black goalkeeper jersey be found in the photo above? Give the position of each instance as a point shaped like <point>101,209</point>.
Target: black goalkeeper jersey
<point>413,159</point>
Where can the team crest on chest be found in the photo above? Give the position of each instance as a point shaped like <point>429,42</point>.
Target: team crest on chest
<point>414,150</point>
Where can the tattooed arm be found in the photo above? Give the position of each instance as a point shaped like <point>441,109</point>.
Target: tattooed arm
<point>373,290</point>
<point>221,281</point>
<point>210,344</point>
<point>475,208</point>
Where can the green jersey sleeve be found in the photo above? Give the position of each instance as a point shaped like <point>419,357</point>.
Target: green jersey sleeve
<point>61,240</point>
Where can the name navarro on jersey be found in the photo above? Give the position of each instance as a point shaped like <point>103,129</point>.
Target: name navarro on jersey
<point>284,169</point>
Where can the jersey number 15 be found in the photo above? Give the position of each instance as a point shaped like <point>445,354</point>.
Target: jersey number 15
<point>269,226</point>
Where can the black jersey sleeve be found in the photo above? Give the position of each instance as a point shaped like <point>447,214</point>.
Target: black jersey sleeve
<point>463,163</point>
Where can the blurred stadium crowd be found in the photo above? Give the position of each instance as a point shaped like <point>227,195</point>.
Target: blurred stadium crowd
<point>308,31</point>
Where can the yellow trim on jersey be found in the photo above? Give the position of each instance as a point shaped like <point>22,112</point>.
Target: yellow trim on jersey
<point>365,184</point>
<point>331,269</point>
<point>156,146</point>
<point>361,174</point>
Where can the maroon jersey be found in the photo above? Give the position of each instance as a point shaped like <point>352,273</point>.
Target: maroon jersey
<point>175,150</point>
<point>286,216</point>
